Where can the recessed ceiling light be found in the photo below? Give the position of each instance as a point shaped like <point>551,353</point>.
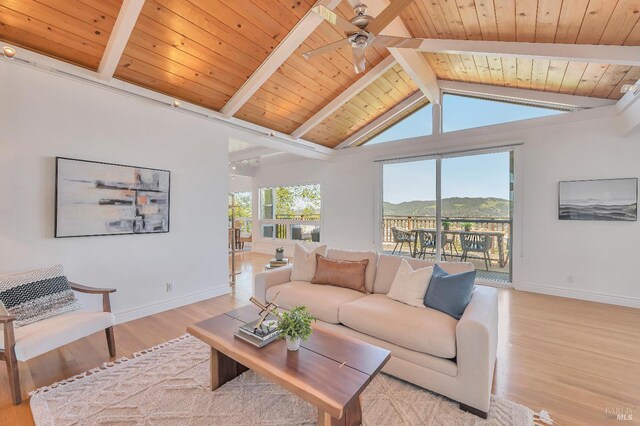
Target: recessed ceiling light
<point>233,167</point>
<point>629,88</point>
<point>176,103</point>
<point>9,52</point>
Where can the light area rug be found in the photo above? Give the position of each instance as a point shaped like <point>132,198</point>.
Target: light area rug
<point>169,385</point>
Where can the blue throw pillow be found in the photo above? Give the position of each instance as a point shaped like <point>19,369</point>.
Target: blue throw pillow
<point>449,293</point>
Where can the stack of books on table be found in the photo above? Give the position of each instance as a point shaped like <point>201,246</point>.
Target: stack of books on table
<point>274,263</point>
<point>260,336</point>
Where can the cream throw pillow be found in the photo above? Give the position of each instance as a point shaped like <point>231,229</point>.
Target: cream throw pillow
<point>304,262</point>
<point>410,286</point>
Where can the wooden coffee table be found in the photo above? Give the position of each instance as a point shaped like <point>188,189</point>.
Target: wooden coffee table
<point>329,371</point>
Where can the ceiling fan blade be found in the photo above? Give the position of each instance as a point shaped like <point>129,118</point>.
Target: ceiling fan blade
<point>325,49</point>
<point>385,17</point>
<point>334,19</point>
<point>359,59</point>
<point>389,41</point>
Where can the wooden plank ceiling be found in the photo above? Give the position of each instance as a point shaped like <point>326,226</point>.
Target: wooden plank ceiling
<point>71,30</point>
<point>573,78</point>
<point>203,51</point>
<point>612,22</point>
<point>384,93</point>
<point>300,88</point>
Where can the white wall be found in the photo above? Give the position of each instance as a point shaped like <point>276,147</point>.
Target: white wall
<point>601,257</point>
<point>43,116</point>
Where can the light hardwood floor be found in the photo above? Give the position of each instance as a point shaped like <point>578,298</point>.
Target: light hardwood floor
<point>572,358</point>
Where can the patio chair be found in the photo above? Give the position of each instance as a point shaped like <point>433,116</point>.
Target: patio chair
<point>315,235</point>
<point>478,243</point>
<point>428,241</point>
<point>449,239</point>
<point>296,232</point>
<point>400,236</point>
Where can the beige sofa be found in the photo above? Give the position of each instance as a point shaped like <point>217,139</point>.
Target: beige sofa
<point>429,348</point>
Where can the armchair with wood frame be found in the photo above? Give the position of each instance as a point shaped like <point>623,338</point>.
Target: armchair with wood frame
<point>29,341</point>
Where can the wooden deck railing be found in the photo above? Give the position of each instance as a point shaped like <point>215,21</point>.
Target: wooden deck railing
<point>418,222</point>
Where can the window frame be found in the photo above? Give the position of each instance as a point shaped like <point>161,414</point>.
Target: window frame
<point>262,222</point>
<point>488,98</point>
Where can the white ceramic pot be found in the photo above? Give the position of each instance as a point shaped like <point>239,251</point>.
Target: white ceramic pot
<point>293,343</point>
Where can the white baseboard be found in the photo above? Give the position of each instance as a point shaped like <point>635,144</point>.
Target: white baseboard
<point>165,305</point>
<point>631,302</point>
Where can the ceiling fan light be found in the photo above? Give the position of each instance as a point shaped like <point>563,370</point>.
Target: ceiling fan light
<point>360,9</point>
<point>361,41</point>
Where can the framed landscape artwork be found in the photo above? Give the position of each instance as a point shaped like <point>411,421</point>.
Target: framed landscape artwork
<point>94,198</point>
<point>606,199</point>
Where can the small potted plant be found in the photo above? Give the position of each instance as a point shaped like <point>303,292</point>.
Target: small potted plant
<point>279,253</point>
<point>446,225</point>
<point>295,326</point>
<point>467,226</point>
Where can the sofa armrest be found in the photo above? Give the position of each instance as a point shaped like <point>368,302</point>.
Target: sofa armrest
<point>106,301</point>
<point>477,343</point>
<point>90,290</point>
<point>267,279</point>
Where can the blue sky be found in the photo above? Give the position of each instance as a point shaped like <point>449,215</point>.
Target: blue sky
<point>484,175</point>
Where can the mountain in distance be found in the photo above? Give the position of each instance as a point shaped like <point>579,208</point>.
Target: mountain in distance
<point>495,208</point>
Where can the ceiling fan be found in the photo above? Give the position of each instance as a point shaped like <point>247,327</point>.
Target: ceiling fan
<point>362,31</point>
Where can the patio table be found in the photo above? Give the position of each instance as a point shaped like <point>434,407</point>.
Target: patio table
<point>457,232</point>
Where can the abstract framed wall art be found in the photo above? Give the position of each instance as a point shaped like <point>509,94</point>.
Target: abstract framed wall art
<point>94,198</point>
<point>604,199</point>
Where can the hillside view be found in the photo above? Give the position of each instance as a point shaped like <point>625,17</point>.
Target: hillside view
<point>496,208</point>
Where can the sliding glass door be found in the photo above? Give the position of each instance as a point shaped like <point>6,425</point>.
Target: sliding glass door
<point>477,212</point>
<point>409,194</point>
<point>452,207</point>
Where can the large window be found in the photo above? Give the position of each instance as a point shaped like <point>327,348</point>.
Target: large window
<point>472,213</point>
<point>291,212</point>
<point>418,123</point>
<point>462,112</point>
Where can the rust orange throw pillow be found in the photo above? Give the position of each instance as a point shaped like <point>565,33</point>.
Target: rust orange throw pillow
<point>341,273</point>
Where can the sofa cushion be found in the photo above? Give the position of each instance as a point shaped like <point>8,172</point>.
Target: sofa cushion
<point>423,330</point>
<point>323,301</point>
<point>304,262</point>
<point>36,295</point>
<point>43,336</point>
<point>341,273</point>
<point>372,256</point>
<point>410,285</point>
<point>388,267</point>
<point>450,293</point>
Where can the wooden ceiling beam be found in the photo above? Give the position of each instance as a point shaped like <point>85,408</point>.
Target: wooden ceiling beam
<point>119,37</point>
<point>361,84</point>
<point>534,97</point>
<point>602,54</point>
<point>276,58</point>
<point>416,65</point>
